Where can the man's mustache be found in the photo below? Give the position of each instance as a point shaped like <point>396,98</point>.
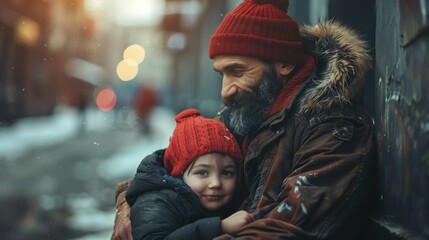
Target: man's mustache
<point>238,100</point>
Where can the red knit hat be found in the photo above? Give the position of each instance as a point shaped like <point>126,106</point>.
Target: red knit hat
<point>195,136</point>
<point>260,29</point>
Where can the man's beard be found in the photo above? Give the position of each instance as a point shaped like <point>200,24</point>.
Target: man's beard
<point>247,117</point>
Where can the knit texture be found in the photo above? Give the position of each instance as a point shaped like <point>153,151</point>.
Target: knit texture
<point>258,29</point>
<point>195,136</point>
<point>290,89</point>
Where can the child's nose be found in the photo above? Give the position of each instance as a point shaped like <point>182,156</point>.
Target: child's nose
<point>215,182</point>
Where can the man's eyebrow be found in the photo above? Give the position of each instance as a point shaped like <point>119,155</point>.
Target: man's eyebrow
<point>229,67</point>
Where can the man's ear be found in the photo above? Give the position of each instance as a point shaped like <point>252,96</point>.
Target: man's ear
<point>284,69</point>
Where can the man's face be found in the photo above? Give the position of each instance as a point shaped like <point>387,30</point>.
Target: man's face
<point>249,88</point>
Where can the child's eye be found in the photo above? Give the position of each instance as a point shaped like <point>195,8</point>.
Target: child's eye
<point>228,173</point>
<point>202,173</point>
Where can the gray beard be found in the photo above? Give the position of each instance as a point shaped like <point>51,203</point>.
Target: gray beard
<point>246,118</point>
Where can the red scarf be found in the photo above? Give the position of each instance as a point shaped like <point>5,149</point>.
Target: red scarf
<point>288,91</point>
<point>291,87</point>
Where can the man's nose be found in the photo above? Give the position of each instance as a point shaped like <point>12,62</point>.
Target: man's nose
<point>228,91</point>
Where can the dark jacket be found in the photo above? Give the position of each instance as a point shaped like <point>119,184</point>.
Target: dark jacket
<point>308,166</point>
<point>164,207</point>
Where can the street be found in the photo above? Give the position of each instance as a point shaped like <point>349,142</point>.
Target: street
<point>63,187</point>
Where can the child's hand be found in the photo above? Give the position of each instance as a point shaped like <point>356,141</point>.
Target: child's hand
<point>233,223</point>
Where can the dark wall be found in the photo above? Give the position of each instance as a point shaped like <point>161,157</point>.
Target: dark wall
<point>402,117</point>
<point>395,95</point>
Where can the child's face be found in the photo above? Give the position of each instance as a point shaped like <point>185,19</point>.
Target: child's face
<point>212,178</point>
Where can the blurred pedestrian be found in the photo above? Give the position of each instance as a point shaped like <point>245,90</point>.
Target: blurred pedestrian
<point>80,101</point>
<point>145,101</point>
<point>81,105</point>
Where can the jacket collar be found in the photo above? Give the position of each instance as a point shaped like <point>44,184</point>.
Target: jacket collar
<point>343,60</point>
<point>292,88</point>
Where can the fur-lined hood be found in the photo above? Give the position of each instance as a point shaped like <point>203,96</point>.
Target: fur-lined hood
<point>343,60</point>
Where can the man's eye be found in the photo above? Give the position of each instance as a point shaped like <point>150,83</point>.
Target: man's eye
<point>236,73</point>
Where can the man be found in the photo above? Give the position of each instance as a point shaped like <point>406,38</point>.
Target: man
<point>308,145</point>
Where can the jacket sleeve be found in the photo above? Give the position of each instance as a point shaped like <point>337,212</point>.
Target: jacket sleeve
<point>157,215</point>
<point>327,189</point>
<point>206,228</point>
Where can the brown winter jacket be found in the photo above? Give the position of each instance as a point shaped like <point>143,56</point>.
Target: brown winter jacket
<point>308,166</point>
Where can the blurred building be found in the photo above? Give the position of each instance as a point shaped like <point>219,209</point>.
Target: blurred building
<point>37,37</point>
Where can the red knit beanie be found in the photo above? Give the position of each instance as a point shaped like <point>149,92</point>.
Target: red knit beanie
<point>260,29</point>
<point>195,136</point>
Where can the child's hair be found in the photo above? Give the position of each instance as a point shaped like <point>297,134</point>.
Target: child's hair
<point>195,136</point>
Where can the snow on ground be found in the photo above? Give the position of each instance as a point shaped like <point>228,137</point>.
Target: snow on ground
<point>123,163</point>
<point>39,131</point>
<point>162,122</point>
<point>64,123</point>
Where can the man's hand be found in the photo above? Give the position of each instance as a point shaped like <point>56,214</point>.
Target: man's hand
<point>233,223</point>
<point>122,228</point>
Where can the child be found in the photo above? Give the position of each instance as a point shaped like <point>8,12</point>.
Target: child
<point>182,194</point>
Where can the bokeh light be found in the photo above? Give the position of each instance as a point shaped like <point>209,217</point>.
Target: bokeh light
<point>106,99</point>
<point>127,69</point>
<point>27,31</point>
<point>135,52</point>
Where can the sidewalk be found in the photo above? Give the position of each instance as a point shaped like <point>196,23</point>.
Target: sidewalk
<point>50,154</point>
